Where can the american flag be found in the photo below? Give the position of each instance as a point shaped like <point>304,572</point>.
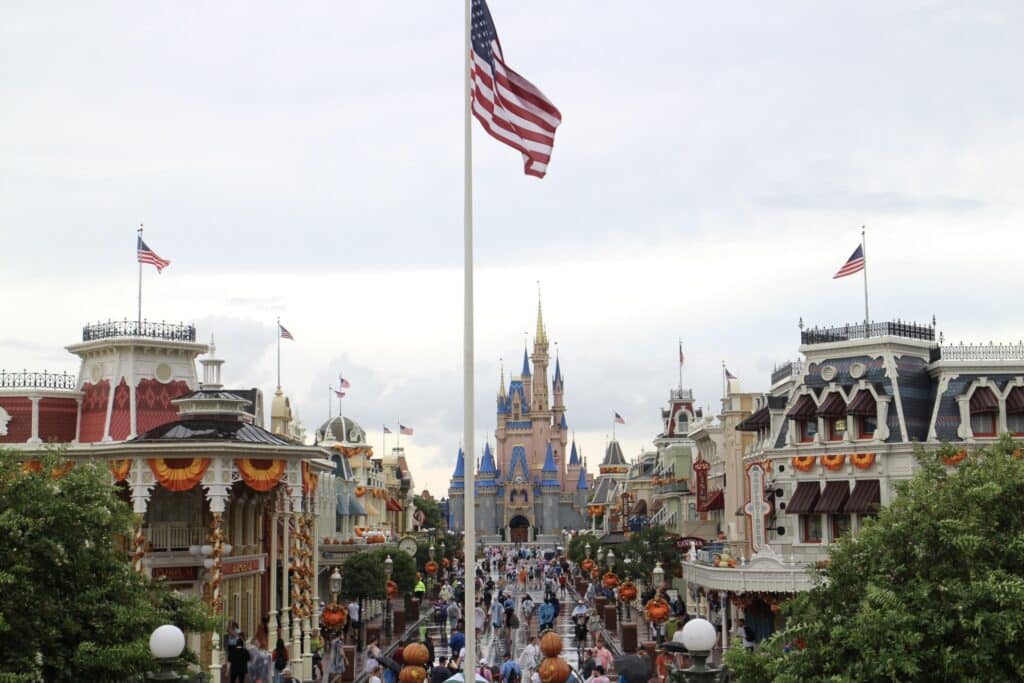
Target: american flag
<point>285,334</point>
<point>619,420</point>
<point>147,255</point>
<point>508,106</point>
<point>386,430</point>
<point>403,430</point>
<point>681,356</point>
<point>854,264</point>
<point>729,375</point>
<point>345,384</point>
<point>339,394</point>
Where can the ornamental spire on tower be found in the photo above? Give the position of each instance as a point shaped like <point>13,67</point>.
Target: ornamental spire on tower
<point>526,364</point>
<point>541,336</point>
<point>501,385</point>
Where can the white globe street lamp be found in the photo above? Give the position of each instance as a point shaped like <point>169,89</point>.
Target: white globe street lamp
<point>699,637</point>
<point>166,644</point>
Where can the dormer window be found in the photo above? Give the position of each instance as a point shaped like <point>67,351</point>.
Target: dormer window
<point>863,414</point>
<point>833,410</point>
<point>803,413</point>
<point>1015,411</point>
<point>984,412</point>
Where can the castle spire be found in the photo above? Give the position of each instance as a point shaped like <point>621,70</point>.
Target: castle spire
<point>541,336</point>
<point>501,385</point>
<point>526,364</point>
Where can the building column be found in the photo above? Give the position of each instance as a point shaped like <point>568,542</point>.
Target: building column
<point>723,598</point>
<point>35,420</point>
<point>272,568</point>
<point>297,663</point>
<point>310,543</point>
<point>217,495</point>
<point>286,560</point>
<point>78,420</point>
<point>140,492</point>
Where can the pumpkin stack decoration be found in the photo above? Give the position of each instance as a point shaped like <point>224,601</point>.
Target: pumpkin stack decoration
<point>552,669</point>
<point>587,565</point>
<point>333,620</point>
<point>627,591</point>
<point>657,609</point>
<point>611,580</point>
<point>431,567</point>
<point>415,656</point>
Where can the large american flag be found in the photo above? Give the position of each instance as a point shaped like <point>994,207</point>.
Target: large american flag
<point>508,106</point>
<point>147,255</point>
<point>854,264</point>
<point>403,430</point>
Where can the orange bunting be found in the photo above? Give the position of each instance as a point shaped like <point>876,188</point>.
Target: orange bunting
<point>862,460</point>
<point>360,491</point>
<point>120,468</point>
<point>833,462</point>
<point>58,471</point>
<point>804,463</point>
<point>309,478</point>
<point>260,474</point>
<point>178,474</point>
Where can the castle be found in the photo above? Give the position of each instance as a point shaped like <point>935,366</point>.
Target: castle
<point>528,488</point>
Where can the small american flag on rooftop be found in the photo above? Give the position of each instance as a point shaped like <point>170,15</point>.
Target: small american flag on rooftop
<point>619,420</point>
<point>285,334</point>
<point>147,255</point>
<point>854,264</point>
<point>507,105</point>
<point>404,431</point>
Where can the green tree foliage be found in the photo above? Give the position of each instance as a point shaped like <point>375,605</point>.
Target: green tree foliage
<point>72,608</point>
<point>362,573</point>
<point>930,591</point>
<point>645,549</point>
<point>432,510</point>
<point>577,550</point>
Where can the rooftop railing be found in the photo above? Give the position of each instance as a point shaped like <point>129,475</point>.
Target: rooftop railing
<point>990,351</point>
<point>37,380</point>
<point>682,395</point>
<point>897,328</point>
<point>787,370</point>
<point>135,328</point>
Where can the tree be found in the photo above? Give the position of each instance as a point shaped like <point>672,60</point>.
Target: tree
<point>577,550</point>
<point>432,510</point>
<point>931,590</point>
<point>362,575</point>
<point>73,609</point>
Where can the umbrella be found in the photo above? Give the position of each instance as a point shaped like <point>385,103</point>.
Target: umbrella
<point>457,678</point>
<point>633,668</point>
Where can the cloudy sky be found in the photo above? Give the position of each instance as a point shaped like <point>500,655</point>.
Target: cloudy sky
<point>303,160</point>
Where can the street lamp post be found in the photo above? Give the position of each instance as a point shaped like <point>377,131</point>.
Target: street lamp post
<point>658,575</point>
<point>628,561</point>
<point>587,548</point>
<point>335,585</point>
<point>389,567</point>
<point>698,638</point>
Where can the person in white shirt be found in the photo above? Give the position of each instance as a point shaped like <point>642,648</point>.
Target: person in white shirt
<point>529,658</point>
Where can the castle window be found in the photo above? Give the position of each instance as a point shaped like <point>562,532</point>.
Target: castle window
<point>984,411</point>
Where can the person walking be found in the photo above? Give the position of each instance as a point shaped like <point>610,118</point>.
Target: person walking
<point>529,658</point>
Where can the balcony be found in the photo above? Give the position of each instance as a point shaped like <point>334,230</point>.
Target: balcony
<point>982,352</point>
<point>134,328</point>
<point>37,380</point>
<point>166,538</point>
<point>791,369</point>
<point>840,333</point>
<point>682,395</point>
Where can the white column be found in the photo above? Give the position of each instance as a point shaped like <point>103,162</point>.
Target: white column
<point>297,663</point>
<point>35,420</point>
<point>272,568</point>
<point>286,558</point>
<point>78,420</point>
<point>723,598</point>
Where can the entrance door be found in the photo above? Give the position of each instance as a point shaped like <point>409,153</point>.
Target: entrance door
<point>519,529</point>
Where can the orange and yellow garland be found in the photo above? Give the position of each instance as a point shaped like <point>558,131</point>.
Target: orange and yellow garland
<point>804,463</point>
<point>862,460</point>
<point>120,468</point>
<point>833,462</point>
<point>58,471</point>
<point>260,474</point>
<point>309,478</point>
<point>178,474</point>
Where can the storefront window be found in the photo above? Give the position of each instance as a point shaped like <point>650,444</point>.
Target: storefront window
<point>811,525</point>
<point>840,526</point>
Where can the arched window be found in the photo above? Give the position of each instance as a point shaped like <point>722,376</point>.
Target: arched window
<point>984,412</point>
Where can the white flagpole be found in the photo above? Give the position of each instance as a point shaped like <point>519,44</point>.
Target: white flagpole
<point>864,253</point>
<point>278,330</point>
<point>469,502</point>
<point>139,331</point>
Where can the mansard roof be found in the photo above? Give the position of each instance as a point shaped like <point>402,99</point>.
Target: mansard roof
<point>613,454</point>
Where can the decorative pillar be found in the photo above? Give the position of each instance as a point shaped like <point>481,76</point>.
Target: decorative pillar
<point>286,561</point>
<point>140,492</point>
<point>217,494</point>
<point>78,420</point>
<point>309,538</point>
<point>272,568</point>
<point>723,598</point>
<point>35,420</point>
<point>140,545</point>
<point>296,597</point>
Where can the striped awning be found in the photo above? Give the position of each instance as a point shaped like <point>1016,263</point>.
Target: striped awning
<point>758,420</point>
<point>1015,401</point>
<point>862,404</point>
<point>803,409</point>
<point>866,497</point>
<point>832,406</point>
<point>833,498</point>
<point>804,498</point>
<point>984,401</point>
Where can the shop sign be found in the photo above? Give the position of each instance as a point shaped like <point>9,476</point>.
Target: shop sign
<point>249,565</point>
<point>683,542</point>
<point>176,574</point>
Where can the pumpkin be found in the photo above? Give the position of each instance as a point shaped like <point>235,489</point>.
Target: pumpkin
<point>611,580</point>
<point>553,670</point>
<point>657,610</point>
<point>551,644</point>
<point>595,572</point>
<point>392,590</point>
<point>587,565</point>
<point>431,567</point>
<point>627,591</point>
<point>412,674</point>
<point>415,654</point>
<point>334,616</point>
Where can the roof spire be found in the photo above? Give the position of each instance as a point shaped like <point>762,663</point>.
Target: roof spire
<point>501,385</point>
<point>526,364</point>
<point>540,337</point>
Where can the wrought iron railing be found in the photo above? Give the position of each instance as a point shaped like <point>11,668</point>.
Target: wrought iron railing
<point>790,369</point>
<point>167,537</point>
<point>990,351</point>
<point>897,328</point>
<point>134,328</point>
<point>37,380</point>
<point>681,395</point>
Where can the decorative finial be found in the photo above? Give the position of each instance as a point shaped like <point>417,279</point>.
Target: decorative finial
<point>801,324</point>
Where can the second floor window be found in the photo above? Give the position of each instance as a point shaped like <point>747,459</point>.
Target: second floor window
<point>836,428</point>
<point>866,426</point>
<point>810,528</point>
<point>1015,424</point>
<point>983,424</point>
<point>808,430</point>
<point>984,410</point>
